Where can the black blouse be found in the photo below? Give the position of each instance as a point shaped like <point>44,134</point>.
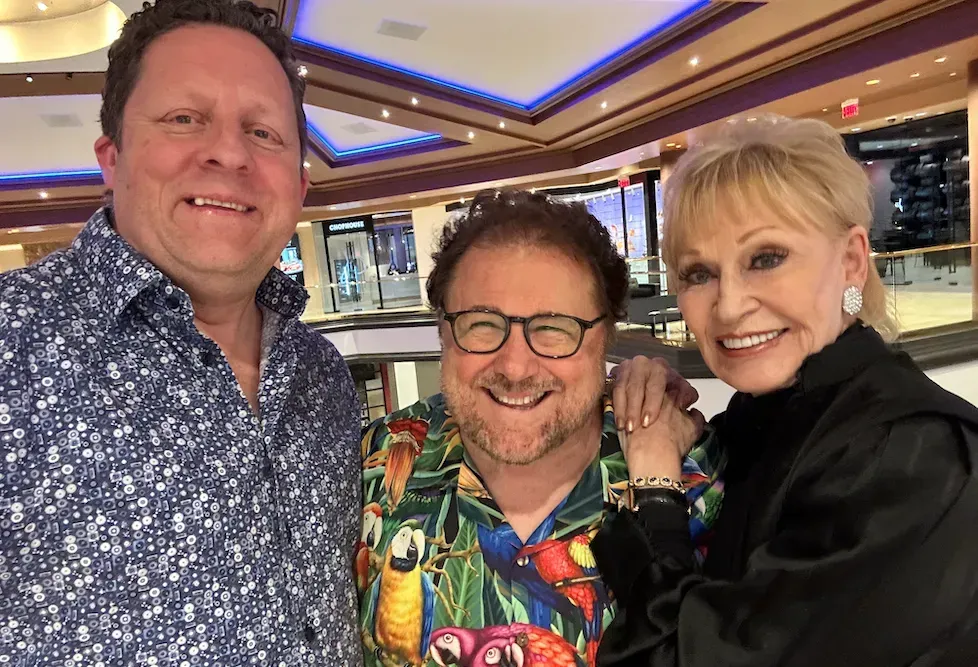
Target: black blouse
<point>847,534</point>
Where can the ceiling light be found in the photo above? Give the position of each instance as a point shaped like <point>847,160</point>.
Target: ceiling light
<point>533,191</point>
<point>879,145</point>
<point>751,119</point>
<point>332,208</point>
<point>869,162</point>
<point>303,70</point>
<point>306,165</point>
<point>414,101</point>
<point>385,113</point>
<point>497,185</point>
<point>954,73</point>
<point>42,194</point>
<point>873,82</point>
<point>414,197</point>
<point>672,145</point>
<point>604,105</point>
<point>825,109</point>
<point>914,145</point>
<point>641,154</point>
<point>921,114</point>
<point>915,75</point>
<point>471,135</point>
<point>679,145</point>
<point>855,129</point>
<point>598,168</point>
<point>942,59</point>
<point>30,79</point>
<point>694,61</point>
<point>42,6</point>
<point>502,125</point>
<point>461,200</point>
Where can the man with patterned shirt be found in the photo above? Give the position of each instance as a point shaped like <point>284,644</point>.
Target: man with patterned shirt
<point>180,479</point>
<point>480,504</point>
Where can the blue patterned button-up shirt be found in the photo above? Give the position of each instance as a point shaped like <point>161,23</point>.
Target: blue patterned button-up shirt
<point>147,515</point>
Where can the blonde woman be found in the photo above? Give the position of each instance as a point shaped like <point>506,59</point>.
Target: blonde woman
<point>847,531</point>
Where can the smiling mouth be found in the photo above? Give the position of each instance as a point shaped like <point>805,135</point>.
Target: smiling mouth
<point>527,402</point>
<point>748,342</point>
<point>206,202</point>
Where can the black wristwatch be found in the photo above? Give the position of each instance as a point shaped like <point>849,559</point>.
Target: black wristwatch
<point>634,499</point>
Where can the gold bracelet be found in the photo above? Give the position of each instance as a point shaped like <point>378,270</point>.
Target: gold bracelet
<point>657,482</point>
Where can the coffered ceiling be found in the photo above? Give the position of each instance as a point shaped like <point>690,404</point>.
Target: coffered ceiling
<point>424,97</point>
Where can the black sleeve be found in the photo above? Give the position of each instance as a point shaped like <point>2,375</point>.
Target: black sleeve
<point>873,564</point>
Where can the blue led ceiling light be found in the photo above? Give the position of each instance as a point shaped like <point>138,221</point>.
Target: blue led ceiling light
<point>49,175</point>
<point>301,36</point>
<point>373,148</point>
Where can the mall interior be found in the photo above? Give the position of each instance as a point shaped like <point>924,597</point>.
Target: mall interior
<point>411,112</point>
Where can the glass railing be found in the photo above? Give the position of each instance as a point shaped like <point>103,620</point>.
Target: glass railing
<point>929,288</point>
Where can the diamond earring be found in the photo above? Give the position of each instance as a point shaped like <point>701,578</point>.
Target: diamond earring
<point>852,300</point>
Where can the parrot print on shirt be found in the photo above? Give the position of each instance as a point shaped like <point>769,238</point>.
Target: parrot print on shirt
<point>444,579</point>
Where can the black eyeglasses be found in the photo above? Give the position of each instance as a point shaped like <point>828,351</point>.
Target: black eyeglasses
<point>551,335</point>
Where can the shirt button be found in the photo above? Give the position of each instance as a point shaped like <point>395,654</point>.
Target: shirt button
<point>310,633</point>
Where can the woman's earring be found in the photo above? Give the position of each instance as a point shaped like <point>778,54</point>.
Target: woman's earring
<point>852,300</point>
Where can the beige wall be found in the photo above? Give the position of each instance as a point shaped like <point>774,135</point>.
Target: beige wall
<point>428,223</point>
<point>11,257</point>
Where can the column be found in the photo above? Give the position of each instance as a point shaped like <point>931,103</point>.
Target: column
<point>973,175</point>
<point>428,223</point>
<point>311,273</point>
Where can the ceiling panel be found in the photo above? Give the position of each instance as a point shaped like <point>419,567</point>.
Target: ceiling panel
<point>513,51</point>
<point>49,134</point>
<point>347,134</point>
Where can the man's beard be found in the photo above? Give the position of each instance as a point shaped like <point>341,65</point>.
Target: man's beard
<point>511,445</point>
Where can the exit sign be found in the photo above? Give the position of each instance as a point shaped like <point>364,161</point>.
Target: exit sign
<point>624,181</point>
<point>850,108</point>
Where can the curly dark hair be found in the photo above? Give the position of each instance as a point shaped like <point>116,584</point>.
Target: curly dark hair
<point>143,27</point>
<point>516,217</point>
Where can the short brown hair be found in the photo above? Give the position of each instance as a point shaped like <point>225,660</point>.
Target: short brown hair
<point>143,27</point>
<point>501,218</point>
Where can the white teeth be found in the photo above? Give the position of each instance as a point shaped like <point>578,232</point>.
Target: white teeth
<point>526,400</point>
<point>204,201</point>
<point>749,341</point>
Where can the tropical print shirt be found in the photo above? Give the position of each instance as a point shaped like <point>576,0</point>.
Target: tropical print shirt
<point>444,579</point>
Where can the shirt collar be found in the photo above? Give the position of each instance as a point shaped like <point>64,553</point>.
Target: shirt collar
<point>120,273</point>
<point>854,351</point>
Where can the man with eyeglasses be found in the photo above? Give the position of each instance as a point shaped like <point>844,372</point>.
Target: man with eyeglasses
<point>480,503</point>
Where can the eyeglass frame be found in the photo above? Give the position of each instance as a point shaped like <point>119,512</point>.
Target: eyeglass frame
<point>586,325</point>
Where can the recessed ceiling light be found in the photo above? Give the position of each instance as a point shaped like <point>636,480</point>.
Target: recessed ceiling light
<point>332,208</point>
<point>679,145</point>
<point>497,185</point>
<point>694,61</point>
<point>869,162</point>
<point>855,129</point>
<point>42,6</point>
<point>414,196</point>
<point>921,114</point>
<point>954,73</point>
<point>471,135</point>
<point>414,101</point>
<point>825,109</point>
<point>671,145</point>
<point>879,145</point>
<point>914,145</point>
<point>502,125</point>
<point>942,59</point>
<point>873,82</point>
<point>751,119</point>
<point>303,70</point>
<point>385,113</point>
<point>915,75</point>
<point>30,79</point>
<point>604,105</point>
<point>598,168</point>
<point>42,194</point>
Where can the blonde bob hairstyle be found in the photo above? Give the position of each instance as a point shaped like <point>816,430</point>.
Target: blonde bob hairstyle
<point>797,171</point>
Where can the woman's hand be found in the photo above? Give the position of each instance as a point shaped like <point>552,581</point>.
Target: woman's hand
<point>639,387</point>
<point>659,449</point>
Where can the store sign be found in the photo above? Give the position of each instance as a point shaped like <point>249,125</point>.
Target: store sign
<point>624,181</point>
<point>850,108</point>
<point>347,226</point>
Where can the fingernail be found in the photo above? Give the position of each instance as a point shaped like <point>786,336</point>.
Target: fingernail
<point>621,424</point>
<point>645,420</point>
<point>631,426</point>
